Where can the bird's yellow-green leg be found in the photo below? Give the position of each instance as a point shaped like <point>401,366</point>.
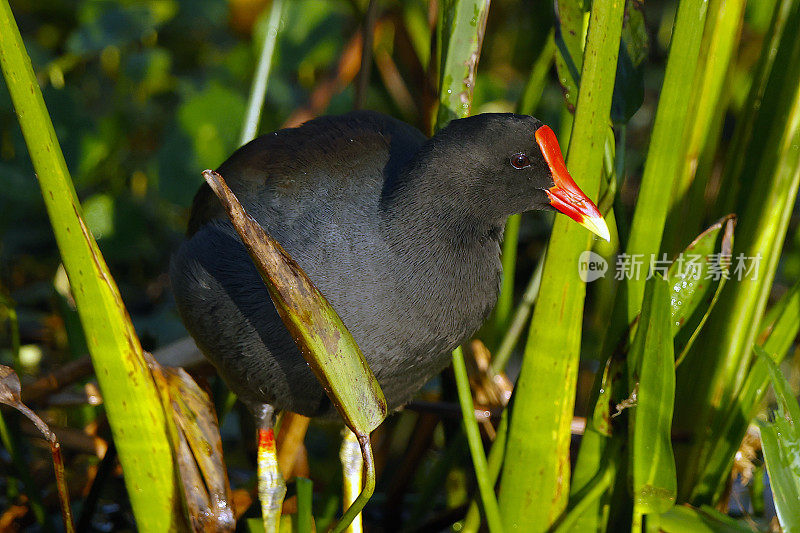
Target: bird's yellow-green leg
<point>352,468</point>
<point>271,487</point>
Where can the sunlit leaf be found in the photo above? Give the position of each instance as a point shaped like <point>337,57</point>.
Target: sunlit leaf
<point>320,334</point>
<point>541,417</point>
<point>651,366</point>
<point>666,142</point>
<point>771,168</point>
<point>130,396</point>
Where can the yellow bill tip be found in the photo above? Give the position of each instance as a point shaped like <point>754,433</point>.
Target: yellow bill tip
<point>597,225</point>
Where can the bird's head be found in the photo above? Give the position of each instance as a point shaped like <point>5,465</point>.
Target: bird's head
<point>513,163</point>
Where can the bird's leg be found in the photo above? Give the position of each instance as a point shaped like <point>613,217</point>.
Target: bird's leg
<point>271,488</point>
<point>352,468</point>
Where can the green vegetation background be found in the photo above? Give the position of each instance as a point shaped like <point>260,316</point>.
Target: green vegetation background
<point>146,94</point>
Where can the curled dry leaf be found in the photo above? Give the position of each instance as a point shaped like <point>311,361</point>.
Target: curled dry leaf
<point>10,394</point>
<point>198,449</point>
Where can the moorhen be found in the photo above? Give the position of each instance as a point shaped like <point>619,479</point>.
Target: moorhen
<point>400,232</point>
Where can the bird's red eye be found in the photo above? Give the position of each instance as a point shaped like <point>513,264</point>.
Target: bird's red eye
<point>520,161</point>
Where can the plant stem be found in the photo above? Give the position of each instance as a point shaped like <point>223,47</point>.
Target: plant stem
<point>258,89</point>
<point>485,481</point>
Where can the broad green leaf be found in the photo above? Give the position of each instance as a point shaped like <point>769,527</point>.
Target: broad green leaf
<point>539,428</point>
<point>686,519</point>
<point>320,334</point>
<point>781,444</point>
<point>651,367</point>
<point>460,36</point>
<point>687,293</point>
<point>131,400</point>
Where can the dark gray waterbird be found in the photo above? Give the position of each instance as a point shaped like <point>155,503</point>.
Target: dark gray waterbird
<point>400,232</point>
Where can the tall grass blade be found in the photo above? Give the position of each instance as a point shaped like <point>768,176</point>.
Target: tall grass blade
<point>258,88</point>
<point>135,413</point>
<point>723,26</point>
<point>778,331</point>
<point>723,351</point>
<point>472,521</point>
<point>485,483</point>
<point>665,153</point>
<point>539,429</point>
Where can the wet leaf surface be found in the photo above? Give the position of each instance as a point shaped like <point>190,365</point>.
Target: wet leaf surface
<point>697,277</point>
